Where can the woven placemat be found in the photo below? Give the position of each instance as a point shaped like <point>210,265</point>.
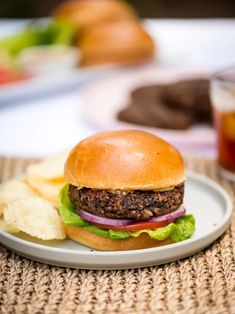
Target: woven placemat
<point>204,283</point>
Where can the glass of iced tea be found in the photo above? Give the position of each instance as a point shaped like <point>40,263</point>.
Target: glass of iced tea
<point>223,100</point>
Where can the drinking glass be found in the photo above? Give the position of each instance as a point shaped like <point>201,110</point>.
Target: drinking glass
<point>222,91</point>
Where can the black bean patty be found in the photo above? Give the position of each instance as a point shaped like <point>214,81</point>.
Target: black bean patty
<point>127,204</point>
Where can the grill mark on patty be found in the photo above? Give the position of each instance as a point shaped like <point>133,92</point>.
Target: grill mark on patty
<point>135,204</point>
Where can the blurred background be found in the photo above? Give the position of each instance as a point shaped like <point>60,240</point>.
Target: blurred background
<point>71,68</point>
<point>146,9</point>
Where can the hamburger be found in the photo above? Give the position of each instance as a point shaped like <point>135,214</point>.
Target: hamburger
<point>125,192</point>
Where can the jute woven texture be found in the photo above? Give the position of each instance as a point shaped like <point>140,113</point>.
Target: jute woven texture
<point>204,283</point>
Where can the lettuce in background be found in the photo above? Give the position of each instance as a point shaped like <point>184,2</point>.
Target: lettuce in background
<point>54,32</point>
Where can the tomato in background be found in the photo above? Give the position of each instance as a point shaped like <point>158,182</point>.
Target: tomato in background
<point>8,76</point>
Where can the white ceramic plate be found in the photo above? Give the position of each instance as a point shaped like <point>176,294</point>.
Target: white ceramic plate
<point>47,85</point>
<point>104,97</point>
<point>205,199</point>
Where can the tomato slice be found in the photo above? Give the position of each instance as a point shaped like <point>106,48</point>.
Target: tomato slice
<point>138,226</point>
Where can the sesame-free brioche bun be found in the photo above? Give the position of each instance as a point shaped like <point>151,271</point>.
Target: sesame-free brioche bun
<point>121,42</point>
<point>84,14</point>
<point>94,241</point>
<point>124,160</point>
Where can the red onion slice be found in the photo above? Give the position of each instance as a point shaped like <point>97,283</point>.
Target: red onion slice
<point>125,222</point>
<point>105,221</point>
<point>171,216</point>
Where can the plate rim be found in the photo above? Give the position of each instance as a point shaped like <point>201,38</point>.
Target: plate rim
<point>218,230</point>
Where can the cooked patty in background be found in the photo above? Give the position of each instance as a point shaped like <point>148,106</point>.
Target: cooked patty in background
<point>173,106</point>
<point>127,204</point>
<point>149,111</point>
<point>191,95</point>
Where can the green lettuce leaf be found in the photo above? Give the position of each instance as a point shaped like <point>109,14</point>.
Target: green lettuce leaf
<point>182,228</point>
<point>110,234</point>
<point>67,210</point>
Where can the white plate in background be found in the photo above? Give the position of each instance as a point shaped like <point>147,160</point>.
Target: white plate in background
<point>104,97</point>
<point>46,85</point>
<point>205,199</point>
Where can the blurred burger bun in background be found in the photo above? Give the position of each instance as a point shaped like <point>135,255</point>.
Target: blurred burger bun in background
<point>123,42</point>
<point>86,14</point>
<point>107,32</point>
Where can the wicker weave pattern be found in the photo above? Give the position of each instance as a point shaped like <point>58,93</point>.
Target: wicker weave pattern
<point>204,283</point>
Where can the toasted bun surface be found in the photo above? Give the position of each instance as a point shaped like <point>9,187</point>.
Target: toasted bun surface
<point>92,240</point>
<point>124,160</point>
<point>85,14</point>
<point>124,42</point>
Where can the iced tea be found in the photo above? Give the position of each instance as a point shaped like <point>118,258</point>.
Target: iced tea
<point>223,101</point>
<point>225,126</point>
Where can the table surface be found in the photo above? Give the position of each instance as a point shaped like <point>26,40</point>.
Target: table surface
<point>46,125</point>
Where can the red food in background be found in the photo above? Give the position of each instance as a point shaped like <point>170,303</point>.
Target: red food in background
<point>8,76</point>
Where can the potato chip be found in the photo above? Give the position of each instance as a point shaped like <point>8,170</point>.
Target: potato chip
<point>35,217</point>
<point>47,190</point>
<point>4,226</point>
<point>49,169</point>
<point>13,190</point>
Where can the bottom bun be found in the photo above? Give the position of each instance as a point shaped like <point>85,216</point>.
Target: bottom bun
<point>94,241</point>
